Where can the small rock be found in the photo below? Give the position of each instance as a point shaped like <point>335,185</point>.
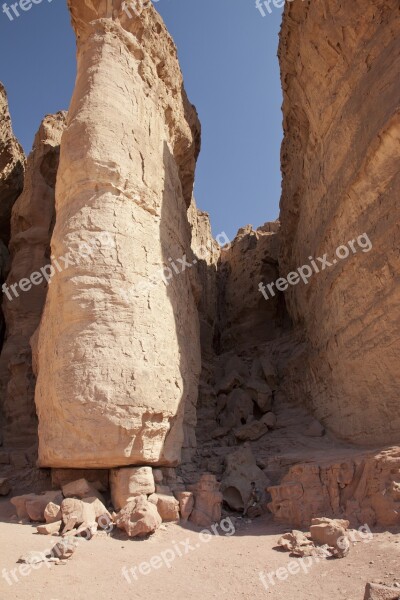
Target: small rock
<point>374,591</point>
<point>49,528</point>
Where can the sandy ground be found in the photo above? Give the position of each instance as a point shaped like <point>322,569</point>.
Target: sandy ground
<point>222,566</point>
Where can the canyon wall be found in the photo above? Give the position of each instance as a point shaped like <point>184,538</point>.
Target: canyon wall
<point>118,356</point>
<point>32,224</point>
<point>12,164</point>
<point>341,176</point>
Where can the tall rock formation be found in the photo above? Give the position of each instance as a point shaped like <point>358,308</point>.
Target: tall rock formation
<point>341,175</point>
<point>12,164</point>
<point>118,346</point>
<point>32,224</point>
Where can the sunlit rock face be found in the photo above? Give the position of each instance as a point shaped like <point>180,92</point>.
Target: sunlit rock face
<point>118,349</point>
<point>341,176</point>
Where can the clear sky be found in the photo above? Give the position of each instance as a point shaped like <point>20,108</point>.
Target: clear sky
<point>227,51</point>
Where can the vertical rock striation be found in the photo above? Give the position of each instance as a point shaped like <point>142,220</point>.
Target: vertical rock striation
<point>340,160</point>
<point>118,345</point>
<point>32,223</point>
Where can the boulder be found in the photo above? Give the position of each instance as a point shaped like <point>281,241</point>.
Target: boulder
<point>35,507</point>
<point>20,504</point>
<point>373,591</point>
<point>86,512</point>
<point>32,506</point>
<point>270,420</point>
<point>241,470</point>
<point>186,504</point>
<point>297,543</point>
<point>139,517</point>
<point>251,431</point>
<point>52,513</point>
<point>331,532</point>
<point>207,501</point>
<point>129,482</point>
<point>167,506</point>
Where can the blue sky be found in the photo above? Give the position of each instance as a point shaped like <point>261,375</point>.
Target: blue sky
<point>227,52</point>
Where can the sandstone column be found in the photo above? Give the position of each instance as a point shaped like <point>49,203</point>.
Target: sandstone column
<point>119,357</point>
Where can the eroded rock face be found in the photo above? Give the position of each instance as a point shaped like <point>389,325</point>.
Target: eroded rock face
<point>119,357</point>
<point>364,489</point>
<point>340,161</point>
<point>12,164</point>
<point>245,317</point>
<point>32,224</point>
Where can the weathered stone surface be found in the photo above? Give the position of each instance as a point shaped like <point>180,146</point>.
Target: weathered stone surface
<point>297,543</point>
<point>32,224</point>
<point>241,470</point>
<point>331,532</point>
<point>12,163</point>
<point>52,513</point>
<point>82,512</point>
<point>362,489</point>
<point>167,506</point>
<point>129,482</point>
<point>340,162</point>
<point>251,431</point>
<point>35,507</point>
<point>207,501</point>
<point>186,504</point>
<point>243,313</point>
<point>50,528</point>
<point>374,591</point>
<point>120,356</point>
<point>139,517</point>
<point>32,506</point>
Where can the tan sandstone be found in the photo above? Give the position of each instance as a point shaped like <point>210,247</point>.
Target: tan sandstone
<point>118,355</point>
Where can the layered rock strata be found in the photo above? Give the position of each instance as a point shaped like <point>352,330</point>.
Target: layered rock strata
<point>340,162</point>
<point>118,345</point>
<point>364,488</point>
